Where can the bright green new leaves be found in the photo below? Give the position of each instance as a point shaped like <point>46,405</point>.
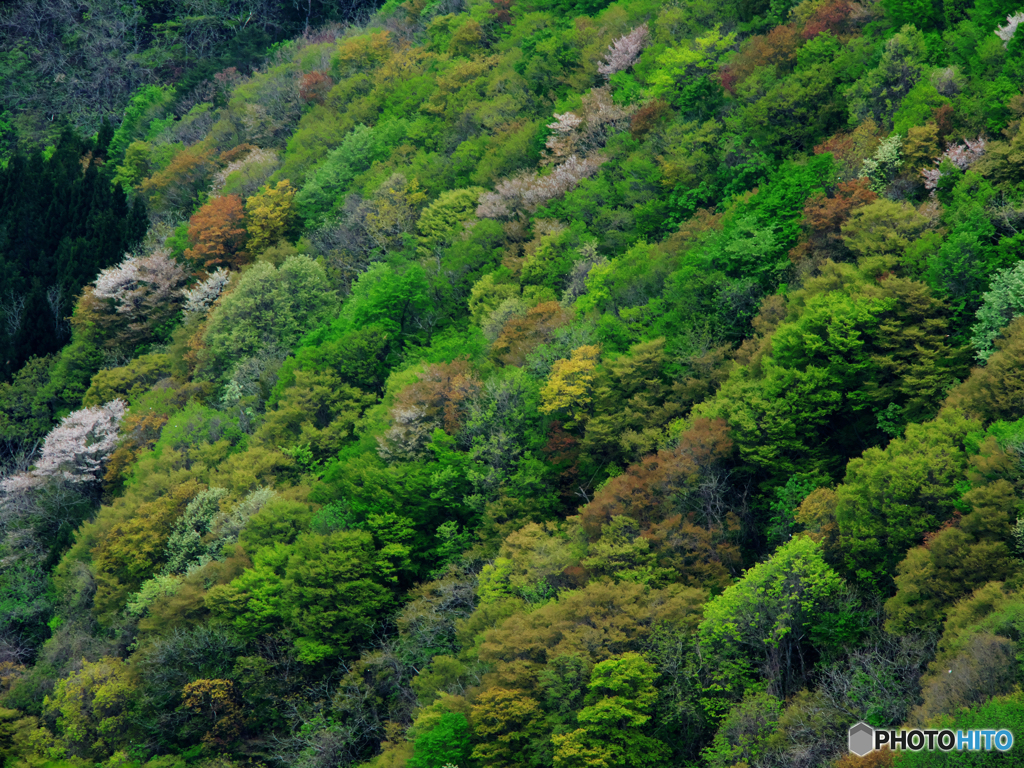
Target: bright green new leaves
<point>891,497</point>
<point>620,703</point>
<point>439,222</point>
<point>324,592</point>
<point>447,743</point>
<point>269,305</point>
<point>831,335</point>
<point>676,66</point>
<point>397,301</point>
<point>788,412</point>
<point>333,179</point>
<point>765,622</point>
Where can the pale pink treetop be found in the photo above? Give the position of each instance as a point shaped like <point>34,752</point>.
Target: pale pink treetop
<point>140,281</point>
<point>77,447</point>
<point>624,52</point>
<point>963,156</point>
<point>1007,31</point>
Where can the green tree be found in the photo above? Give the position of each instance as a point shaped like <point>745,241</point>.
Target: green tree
<point>448,742</point>
<point>956,560</point>
<point>269,305</point>
<point>742,736</point>
<point>767,621</point>
<point>323,591</point>
<point>891,497</point>
<point>327,186</point>
<point>318,411</point>
<point>880,91</point>
<point>620,702</point>
<point>439,222</point>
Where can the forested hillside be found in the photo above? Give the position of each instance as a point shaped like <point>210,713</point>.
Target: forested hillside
<point>492,384</point>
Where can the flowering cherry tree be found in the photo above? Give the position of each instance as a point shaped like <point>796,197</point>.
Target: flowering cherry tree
<point>140,282</point>
<point>963,156</point>
<point>624,52</point>
<point>77,448</point>
<point>528,191</point>
<point>1007,31</point>
<point>201,296</point>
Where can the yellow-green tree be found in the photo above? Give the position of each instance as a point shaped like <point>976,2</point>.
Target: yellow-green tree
<point>439,222</point>
<point>393,211</point>
<point>91,708</point>
<point>271,214</point>
<point>505,721</point>
<point>570,386</point>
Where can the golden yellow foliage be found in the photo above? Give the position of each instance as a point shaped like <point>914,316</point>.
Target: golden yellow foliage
<point>271,215</point>
<point>571,383</point>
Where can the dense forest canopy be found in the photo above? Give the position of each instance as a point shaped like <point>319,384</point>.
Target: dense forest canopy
<point>479,384</point>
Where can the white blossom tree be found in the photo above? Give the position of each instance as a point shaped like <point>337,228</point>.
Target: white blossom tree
<point>963,156</point>
<point>584,132</point>
<point>144,292</point>
<point>528,191</point>
<point>140,282</point>
<point>77,448</point>
<point>624,52</point>
<point>201,296</point>
<point>1008,30</point>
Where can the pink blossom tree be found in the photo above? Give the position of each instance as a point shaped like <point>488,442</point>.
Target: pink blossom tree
<point>624,52</point>
<point>963,156</point>
<point>77,448</point>
<point>139,295</point>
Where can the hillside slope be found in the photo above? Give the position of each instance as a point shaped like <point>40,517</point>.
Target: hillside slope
<point>550,384</point>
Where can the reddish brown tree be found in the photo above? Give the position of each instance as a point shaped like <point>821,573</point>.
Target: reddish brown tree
<point>314,87</point>
<point>439,399</point>
<point>833,17</point>
<point>777,48</point>
<point>692,477</point>
<point>824,216</point>
<point>680,499</point>
<point>217,233</point>
<point>522,335</point>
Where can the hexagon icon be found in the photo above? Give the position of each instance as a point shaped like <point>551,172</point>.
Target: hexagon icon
<point>861,739</point>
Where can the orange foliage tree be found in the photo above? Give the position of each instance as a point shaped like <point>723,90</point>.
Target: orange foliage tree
<point>314,87</point>
<point>176,186</point>
<point>217,233</point>
<point>824,216</point>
